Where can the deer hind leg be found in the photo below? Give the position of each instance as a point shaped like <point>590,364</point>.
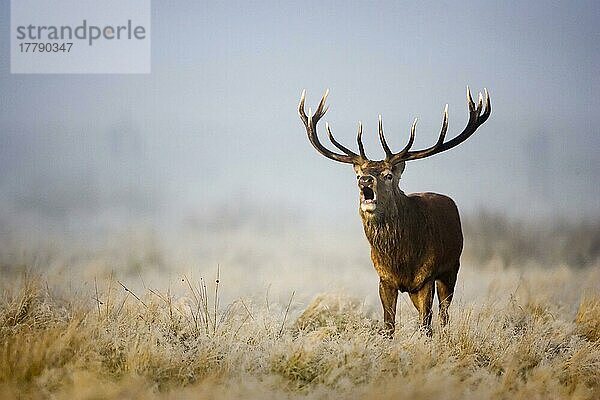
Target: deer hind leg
<point>445,290</point>
<point>388,295</point>
<point>423,301</point>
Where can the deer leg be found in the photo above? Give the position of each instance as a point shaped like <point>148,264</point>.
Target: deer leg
<point>388,295</point>
<point>423,301</point>
<point>445,290</point>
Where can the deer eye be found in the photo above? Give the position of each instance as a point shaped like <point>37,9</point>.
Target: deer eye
<point>388,177</point>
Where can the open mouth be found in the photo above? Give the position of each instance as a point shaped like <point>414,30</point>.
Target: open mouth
<point>368,199</point>
<point>368,195</point>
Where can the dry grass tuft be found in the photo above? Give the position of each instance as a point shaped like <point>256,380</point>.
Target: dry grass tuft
<point>588,317</point>
<point>331,311</point>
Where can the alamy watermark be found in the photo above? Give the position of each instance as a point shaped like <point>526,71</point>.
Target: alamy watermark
<point>80,36</point>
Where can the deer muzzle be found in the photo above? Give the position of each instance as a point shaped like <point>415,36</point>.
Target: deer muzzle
<point>368,194</point>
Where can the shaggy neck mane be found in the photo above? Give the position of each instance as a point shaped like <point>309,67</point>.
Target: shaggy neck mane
<point>387,231</point>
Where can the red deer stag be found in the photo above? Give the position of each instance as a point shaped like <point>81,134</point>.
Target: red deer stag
<point>415,239</point>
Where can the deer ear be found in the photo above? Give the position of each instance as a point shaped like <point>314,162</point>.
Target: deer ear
<point>398,168</point>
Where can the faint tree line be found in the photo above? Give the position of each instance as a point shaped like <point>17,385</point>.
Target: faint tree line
<point>493,236</point>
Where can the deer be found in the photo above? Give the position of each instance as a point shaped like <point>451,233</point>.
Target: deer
<point>416,239</point>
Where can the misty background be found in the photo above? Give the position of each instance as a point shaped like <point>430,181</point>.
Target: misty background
<point>212,135</point>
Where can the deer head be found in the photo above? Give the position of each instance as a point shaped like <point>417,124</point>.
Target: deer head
<point>378,181</point>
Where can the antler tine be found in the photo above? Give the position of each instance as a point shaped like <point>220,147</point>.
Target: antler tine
<point>311,121</point>
<point>303,115</point>
<point>399,156</point>
<point>321,109</point>
<point>442,131</point>
<point>470,100</point>
<point>488,107</point>
<point>444,127</point>
<point>411,140</point>
<point>337,144</point>
<point>361,148</point>
<point>386,148</point>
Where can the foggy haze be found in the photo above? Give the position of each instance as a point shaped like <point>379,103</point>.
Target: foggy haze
<point>215,124</point>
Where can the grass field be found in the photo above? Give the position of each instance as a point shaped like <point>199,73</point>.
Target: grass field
<point>294,314</point>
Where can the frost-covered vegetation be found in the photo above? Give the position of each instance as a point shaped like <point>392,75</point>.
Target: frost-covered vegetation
<point>295,314</point>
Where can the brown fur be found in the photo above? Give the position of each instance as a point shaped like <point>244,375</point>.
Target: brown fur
<point>416,240</point>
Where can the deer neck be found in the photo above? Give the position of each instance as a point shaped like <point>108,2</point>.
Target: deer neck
<point>396,220</point>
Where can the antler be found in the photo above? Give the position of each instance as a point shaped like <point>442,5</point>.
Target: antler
<point>310,122</point>
<point>476,119</point>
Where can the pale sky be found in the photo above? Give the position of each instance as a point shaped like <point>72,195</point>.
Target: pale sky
<point>216,120</point>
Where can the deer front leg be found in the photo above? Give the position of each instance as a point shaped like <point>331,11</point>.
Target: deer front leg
<point>423,300</point>
<point>388,295</point>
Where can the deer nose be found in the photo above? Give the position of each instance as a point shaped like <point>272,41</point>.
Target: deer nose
<point>365,180</point>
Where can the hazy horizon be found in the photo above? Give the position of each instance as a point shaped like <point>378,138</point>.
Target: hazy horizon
<point>215,124</point>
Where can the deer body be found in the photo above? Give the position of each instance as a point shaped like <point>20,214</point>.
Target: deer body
<point>417,243</point>
<point>416,240</point>
<point>409,244</point>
